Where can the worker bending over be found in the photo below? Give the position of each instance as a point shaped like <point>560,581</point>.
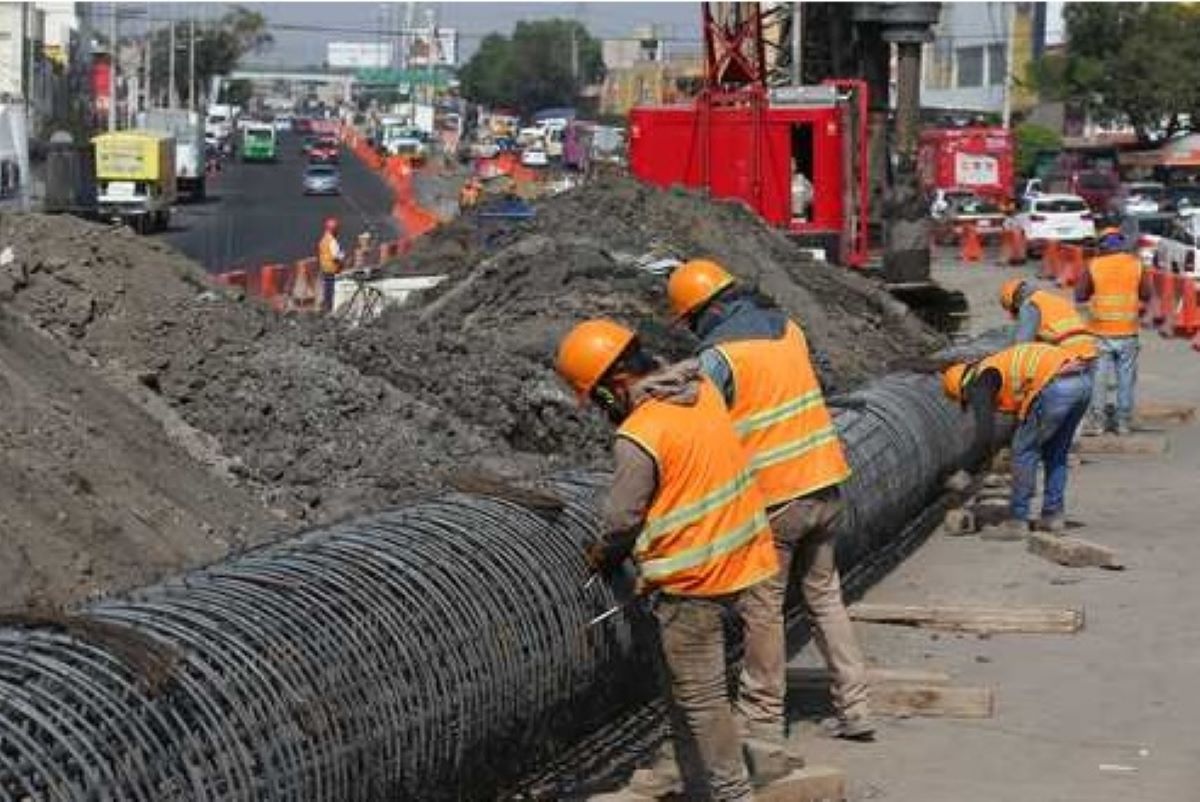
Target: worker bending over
<point>1113,286</point>
<point>759,360</point>
<point>1048,389</point>
<point>1047,317</point>
<point>684,505</point>
<point>331,259</point>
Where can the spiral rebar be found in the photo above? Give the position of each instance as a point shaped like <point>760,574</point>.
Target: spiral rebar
<point>436,651</point>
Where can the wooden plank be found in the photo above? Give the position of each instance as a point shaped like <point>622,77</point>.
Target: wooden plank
<point>1144,443</point>
<point>958,618</point>
<point>1072,551</point>
<point>1152,412</point>
<point>802,678</point>
<point>809,784</point>
<point>939,701</point>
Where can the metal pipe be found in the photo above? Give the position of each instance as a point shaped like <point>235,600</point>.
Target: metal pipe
<point>441,650</point>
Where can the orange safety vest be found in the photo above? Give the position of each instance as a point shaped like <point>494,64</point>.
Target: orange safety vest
<point>1062,325</point>
<point>325,258</point>
<point>781,416</point>
<point>706,532</point>
<point>1025,369</point>
<point>1114,303</point>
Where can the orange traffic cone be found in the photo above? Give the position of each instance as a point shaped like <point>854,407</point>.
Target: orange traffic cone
<point>1018,254</point>
<point>972,248</point>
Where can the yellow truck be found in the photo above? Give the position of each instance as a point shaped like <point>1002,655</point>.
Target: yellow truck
<point>135,178</point>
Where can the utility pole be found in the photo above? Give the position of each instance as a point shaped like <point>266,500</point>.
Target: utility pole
<point>149,58</point>
<point>1010,18</point>
<point>575,52</point>
<point>112,68</point>
<point>192,63</point>
<point>797,43</point>
<point>171,67</point>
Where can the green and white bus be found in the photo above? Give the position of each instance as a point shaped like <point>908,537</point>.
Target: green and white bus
<point>258,143</point>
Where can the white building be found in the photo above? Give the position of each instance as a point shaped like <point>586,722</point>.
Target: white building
<point>36,43</point>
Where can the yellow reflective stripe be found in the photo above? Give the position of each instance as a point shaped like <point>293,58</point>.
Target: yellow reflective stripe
<point>690,513</point>
<point>769,417</point>
<point>663,567</point>
<point>793,448</point>
<point>1023,369</point>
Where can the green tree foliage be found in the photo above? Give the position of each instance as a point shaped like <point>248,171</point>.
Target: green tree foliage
<point>220,45</point>
<point>533,68</point>
<point>1030,139</point>
<point>1137,62</point>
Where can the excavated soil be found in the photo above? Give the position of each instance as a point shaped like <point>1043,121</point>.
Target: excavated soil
<point>152,422</point>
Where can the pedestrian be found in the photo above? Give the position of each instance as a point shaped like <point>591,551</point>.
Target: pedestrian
<point>684,505</point>
<point>1046,317</point>
<point>759,359</point>
<point>1048,389</point>
<point>330,258</point>
<point>1114,285</point>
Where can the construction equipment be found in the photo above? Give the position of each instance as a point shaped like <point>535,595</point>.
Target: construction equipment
<point>978,159</point>
<point>741,139</point>
<point>185,126</point>
<point>135,178</point>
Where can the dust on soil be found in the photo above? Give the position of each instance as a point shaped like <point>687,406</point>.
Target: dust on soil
<point>153,422</point>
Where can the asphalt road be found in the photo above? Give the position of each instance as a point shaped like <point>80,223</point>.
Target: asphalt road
<point>257,214</point>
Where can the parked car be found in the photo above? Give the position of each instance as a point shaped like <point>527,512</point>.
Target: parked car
<point>535,156</point>
<point>1138,197</point>
<point>1179,249</point>
<point>1183,199</point>
<point>1064,218</point>
<point>324,151</point>
<point>1143,231</point>
<point>951,209</point>
<point>322,179</point>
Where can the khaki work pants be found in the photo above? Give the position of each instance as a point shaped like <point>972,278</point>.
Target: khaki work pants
<point>708,748</point>
<point>803,535</point>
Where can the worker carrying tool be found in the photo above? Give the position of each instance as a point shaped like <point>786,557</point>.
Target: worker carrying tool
<point>686,508</point>
<point>331,259</point>
<point>759,360</point>
<point>1114,285</point>
<point>1048,389</point>
<point>1046,317</point>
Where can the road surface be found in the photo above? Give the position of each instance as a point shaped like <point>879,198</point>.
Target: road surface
<point>256,213</point>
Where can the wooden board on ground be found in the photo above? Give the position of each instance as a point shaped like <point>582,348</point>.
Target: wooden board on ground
<point>941,701</point>
<point>1072,551</point>
<point>958,618</point>
<point>1152,412</point>
<point>1144,443</point>
<point>801,678</point>
<point>809,784</point>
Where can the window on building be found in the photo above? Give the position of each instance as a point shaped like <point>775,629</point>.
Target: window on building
<point>996,57</point>
<point>970,66</point>
<point>939,65</point>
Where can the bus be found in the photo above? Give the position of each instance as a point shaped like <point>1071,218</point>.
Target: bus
<point>258,142</point>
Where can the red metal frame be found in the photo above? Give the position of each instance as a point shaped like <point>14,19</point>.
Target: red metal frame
<point>856,254</point>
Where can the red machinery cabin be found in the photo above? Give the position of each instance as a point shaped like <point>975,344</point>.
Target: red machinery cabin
<point>974,158</point>
<point>817,131</point>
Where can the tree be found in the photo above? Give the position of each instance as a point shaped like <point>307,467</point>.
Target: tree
<point>544,63</point>
<point>220,46</point>
<point>1032,138</point>
<point>1133,62</point>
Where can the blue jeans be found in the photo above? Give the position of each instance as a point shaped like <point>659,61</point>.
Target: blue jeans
<point>1117,355</point>
<point>1045,437</point>
<point>327,283</point>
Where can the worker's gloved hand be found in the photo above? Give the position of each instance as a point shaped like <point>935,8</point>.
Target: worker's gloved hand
<point>601,558</point>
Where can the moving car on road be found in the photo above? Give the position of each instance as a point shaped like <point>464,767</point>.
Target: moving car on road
<point>1144,231</point>
<point>322,179</point>
<point>1064,218</point>
<point>953,209</point>
<point>1138,197</point>
<point>324,151</point>
<point>1182,199</point>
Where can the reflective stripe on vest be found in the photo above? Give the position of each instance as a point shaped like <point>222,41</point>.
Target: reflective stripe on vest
<point>781,417</point>
<point>1025,369</point>
<point>1114,303</point>
<point>706,532</point>
<point>1062,325</point>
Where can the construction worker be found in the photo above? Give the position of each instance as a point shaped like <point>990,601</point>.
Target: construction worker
<point>759,360</point>
<point>1046,317</point>
<point>688,511</point>
<point>1113,286</point>
<point>330,258</point>
<point>1048,389</point>
<point>469,193</point>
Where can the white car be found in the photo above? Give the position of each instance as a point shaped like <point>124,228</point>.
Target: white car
<point>1064,218</point>
<point>282,123</point>
<point>1138,197</point>
<point>1179,250</point>
<point>534,156</point>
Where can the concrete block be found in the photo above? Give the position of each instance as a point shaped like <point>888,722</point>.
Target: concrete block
<point>1156,412</point>
<point>809,784</point>
<point>1072,551</point>
<point>1146,443</point>
<point>958,522</point>
<point>958,482</point>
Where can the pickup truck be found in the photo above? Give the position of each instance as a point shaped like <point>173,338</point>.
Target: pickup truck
<point>1179,249</point>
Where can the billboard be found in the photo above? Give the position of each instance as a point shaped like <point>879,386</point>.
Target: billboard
<point>358,55</point>
<point>416,49</point>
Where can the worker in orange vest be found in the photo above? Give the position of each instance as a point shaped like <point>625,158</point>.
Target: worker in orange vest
<point>687,510</point>
<point>759,359</point>
<point>1046,317</point>
<point>469,194</point>
<point>330,258</point>
<point>1114,285</point>
<point>1048,389</point>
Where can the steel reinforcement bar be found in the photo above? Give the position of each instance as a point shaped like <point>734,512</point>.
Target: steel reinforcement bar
<point>436,651</point>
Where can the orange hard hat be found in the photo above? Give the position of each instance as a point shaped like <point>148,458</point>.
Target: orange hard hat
<point>1008,293</point>
<point>589,350</point>
<point>695,283</point>
<point>331,224</point>
<point>953,379</point>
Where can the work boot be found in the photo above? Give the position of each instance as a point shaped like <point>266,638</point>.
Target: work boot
<point>1055,523</point>
<point>850,728</point>
<point>1091,428</point>
<point>767,761</point>
<point>1124,429</point>
<point>1009,529</point>
<point>661,778</point>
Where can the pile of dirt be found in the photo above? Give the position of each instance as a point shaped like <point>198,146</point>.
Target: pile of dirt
<point>153,422</point>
